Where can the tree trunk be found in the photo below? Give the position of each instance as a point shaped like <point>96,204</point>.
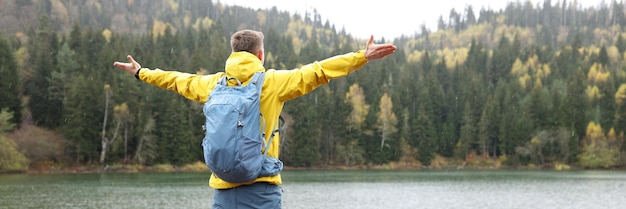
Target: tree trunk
<point>105,140</point>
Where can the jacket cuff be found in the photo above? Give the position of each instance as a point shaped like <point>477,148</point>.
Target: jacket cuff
<point>137,74</point>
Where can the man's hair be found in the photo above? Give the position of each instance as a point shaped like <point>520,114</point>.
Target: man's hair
<point>247,40</point>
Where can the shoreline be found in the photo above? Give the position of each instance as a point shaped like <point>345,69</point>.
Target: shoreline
<point>201,167</point>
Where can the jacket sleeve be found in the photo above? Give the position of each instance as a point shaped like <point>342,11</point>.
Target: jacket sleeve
<point>191,86</point>
<point>297,82</point>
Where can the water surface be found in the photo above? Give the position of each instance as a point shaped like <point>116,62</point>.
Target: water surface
<point>329,189</point>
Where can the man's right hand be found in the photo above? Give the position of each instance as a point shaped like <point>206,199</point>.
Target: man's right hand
<point>131,67</point>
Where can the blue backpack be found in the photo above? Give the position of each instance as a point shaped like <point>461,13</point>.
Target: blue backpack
<point>234,141</point>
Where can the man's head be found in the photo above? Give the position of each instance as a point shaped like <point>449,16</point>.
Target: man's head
<point>248,41</point>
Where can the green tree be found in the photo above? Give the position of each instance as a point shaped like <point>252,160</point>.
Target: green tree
<point>620,110</point>
<point>5,121</point>
<point>355,122</point>
<point>305,146</point>
<point>83,113</point>
<point>9,82</point>
<point>603,56</point>
<point>175,132</point>
<point>575,108</point>
<point>538,106</point>
<point>620,43</point>
<point>467,138</point>
<point>488,128</point>
<point>332,121</point>
<point>424,135</point>
<point>10,158</point>
<point>502,61</point>
<point>147,146</point>
<point>58,86</point>
<point>477,57</point>
<point>428,111</point>
<point>44,49</point>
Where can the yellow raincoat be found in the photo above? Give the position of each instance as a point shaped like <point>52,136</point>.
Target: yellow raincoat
<point>279,86</point>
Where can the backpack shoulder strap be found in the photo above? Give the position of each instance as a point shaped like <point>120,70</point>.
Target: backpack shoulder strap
<point>279,129</point>
<point>257,79</point>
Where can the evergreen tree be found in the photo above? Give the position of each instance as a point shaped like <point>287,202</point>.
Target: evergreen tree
<point>58,86</point>
<point>620,43</point>
<point>538,106</point>
<point>305,147</point>
<point>9,82</point>
<point>174,131</point>
<point>423,135</point>
<point>467,138</point>
<point>501,62</point>
<point>44,49</point>
<point>488,128</point>
<point>83,116</point>
<point>146,149</point>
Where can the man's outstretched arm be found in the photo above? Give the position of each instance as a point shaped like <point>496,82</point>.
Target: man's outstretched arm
<point>298,82</point>
<point>191,86</point>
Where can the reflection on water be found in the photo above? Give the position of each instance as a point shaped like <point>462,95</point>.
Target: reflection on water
<point>329,189</point>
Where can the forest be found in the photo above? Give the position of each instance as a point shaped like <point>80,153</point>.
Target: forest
<point>527,86</point>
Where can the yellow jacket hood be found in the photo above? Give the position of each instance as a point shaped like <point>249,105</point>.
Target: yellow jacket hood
<point>242,66</point>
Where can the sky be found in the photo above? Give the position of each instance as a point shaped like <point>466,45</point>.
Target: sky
<point>384,18</point>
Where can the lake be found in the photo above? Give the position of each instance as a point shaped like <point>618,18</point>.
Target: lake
<point>328,189</point>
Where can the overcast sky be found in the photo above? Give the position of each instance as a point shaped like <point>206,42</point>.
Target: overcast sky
<point>388,18</point>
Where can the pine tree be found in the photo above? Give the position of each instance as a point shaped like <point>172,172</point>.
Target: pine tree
<point>467,138</point>
<point>488,127</point>
<point>44,49</point>
<point>304,149</point>
<point>423,135</point>
<point>9,82</point>
<point>83,113</point>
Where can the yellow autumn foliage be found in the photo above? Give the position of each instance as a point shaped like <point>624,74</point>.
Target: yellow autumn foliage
<point>356,98</point>
<point>187,21</point>
<point>613,53</point>
<point>593,93</point>
<point>524,81</point>
<point>414,57</point>
<point>173,6</point>
<point>597,74</point>
<point>620,95</point>
<point>158,28</point>
<point>518,68</point>
<point>261,18</point>
<point>59,12</point>
<point>121,112</point>
<point>203,23</point>
<point>107,34</point>
<point>387,119</point>
<point>600,151</point>
<point>593,132</point>
<point>454,57</point>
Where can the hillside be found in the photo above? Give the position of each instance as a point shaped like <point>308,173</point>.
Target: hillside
<point>527,85</point>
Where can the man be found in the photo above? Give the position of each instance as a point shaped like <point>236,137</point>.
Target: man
<point>247,57</point>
